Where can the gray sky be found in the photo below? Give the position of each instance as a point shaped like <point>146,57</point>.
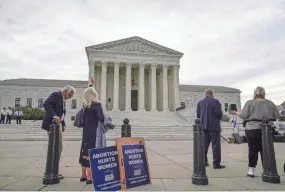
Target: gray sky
<point>237,43</point>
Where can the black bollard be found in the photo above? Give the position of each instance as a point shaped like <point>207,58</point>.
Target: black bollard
<point>269,174</point>
<point>52,163</point>
<point>199,176</point>
<point>126,128</point>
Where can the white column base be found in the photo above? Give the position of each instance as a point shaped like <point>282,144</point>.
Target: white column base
<point>128,110</point>
<point>115,110</point>
<point>142,110</point>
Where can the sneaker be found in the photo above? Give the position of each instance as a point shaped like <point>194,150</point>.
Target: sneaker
<point>250,172</point>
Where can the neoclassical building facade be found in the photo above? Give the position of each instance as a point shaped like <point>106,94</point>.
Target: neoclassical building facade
<point>135,74</point>
<point>131,74</point>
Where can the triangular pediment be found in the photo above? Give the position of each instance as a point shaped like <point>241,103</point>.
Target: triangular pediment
<point>134,45</point>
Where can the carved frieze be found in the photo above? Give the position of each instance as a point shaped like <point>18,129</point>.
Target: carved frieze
<point>134,46</point>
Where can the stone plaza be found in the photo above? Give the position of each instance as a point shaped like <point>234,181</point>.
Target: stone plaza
<point>22,165</point>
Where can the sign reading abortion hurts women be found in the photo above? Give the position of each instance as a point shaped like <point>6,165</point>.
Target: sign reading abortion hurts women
<point>105,169</point>
<point>133,162</point>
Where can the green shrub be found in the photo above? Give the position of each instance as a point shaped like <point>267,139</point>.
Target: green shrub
<point>225,118</point>
<point>31,113</point>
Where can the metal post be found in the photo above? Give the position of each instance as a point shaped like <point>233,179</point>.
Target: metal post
<point>269,174</point>
<point>126,128</point>
<point>52,163</point>
<point>199,176</point>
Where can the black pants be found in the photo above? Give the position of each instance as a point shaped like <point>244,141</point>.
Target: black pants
<point>254,142</point>
<point>2,119</point>
<point>18,120</point>
<point>215,139</point>
<point>8,119</point>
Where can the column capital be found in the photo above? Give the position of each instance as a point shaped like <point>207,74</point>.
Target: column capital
<point>165,66</point>
<point>128,64</point>
<point>104,63</point>
<point>176,67</point>
<point>153,65</point>
<point>141,65</point>
<point>117,64</point>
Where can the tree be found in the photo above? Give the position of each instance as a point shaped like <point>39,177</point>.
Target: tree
<point>283,104</point>
<point>31,113</point>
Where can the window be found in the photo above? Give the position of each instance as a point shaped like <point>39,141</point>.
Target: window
<point>29,102</point>
<point>233,107</point>
<point>41,103</point>
<point>72,118</point>
<point>17,102</point>
<point>73,103</point>
<point>226,107</point>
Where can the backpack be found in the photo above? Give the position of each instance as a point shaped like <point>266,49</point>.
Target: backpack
<point>79,118</point>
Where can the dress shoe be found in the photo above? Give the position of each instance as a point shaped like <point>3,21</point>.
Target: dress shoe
<point>83,179</point>
<point>206,164</point>
<point>60,176</point>
<point>219,166</point>
<point>88,182</point>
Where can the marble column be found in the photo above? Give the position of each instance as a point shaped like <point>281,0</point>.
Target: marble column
<point>153,87</point>
<point>91,69</point>
<point>175,87</point>
<point>128,86</point>
<point>141,87</point>
<point>116,87</point>
<point>104,84</point>
<point>165,88</point>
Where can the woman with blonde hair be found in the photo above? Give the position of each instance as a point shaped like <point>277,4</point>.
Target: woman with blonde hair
<point>93,114</point>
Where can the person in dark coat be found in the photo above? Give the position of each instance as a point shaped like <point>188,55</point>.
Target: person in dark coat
<point>210,113</point>
<point>55,109</point>
<point>93,114</point>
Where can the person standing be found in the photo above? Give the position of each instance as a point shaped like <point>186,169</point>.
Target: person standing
<point>3,115</point>
<point>210,113</point>
<point>9,115</point>
<point>55,109</point>
<point>253,112</point>
<point>18,115</point>
<point>93,114</point>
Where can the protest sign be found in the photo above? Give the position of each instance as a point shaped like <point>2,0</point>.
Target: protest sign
<point>135,165</point>
<point>122,141</point>
<point>119,142</point>
<point>104,168</point>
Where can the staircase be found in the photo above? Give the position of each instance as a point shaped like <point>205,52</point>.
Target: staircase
<point>150,125</point>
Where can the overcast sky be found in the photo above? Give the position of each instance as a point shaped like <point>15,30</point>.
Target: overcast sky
<point>237,43</point>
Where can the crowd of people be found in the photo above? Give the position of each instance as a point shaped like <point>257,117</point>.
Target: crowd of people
<point>209,111</point>
<point>7,115</point>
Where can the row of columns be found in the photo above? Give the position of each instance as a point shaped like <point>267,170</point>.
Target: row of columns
<point>141,90</point>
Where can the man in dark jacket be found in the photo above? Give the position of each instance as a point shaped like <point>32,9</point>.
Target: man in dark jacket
<point>210,113</point>
<point>55,109</point>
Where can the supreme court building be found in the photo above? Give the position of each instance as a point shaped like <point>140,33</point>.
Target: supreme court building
<point>135,74</point>
<point>131,74</point>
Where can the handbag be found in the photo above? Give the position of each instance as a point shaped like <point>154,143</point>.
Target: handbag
<point>79,118</point>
